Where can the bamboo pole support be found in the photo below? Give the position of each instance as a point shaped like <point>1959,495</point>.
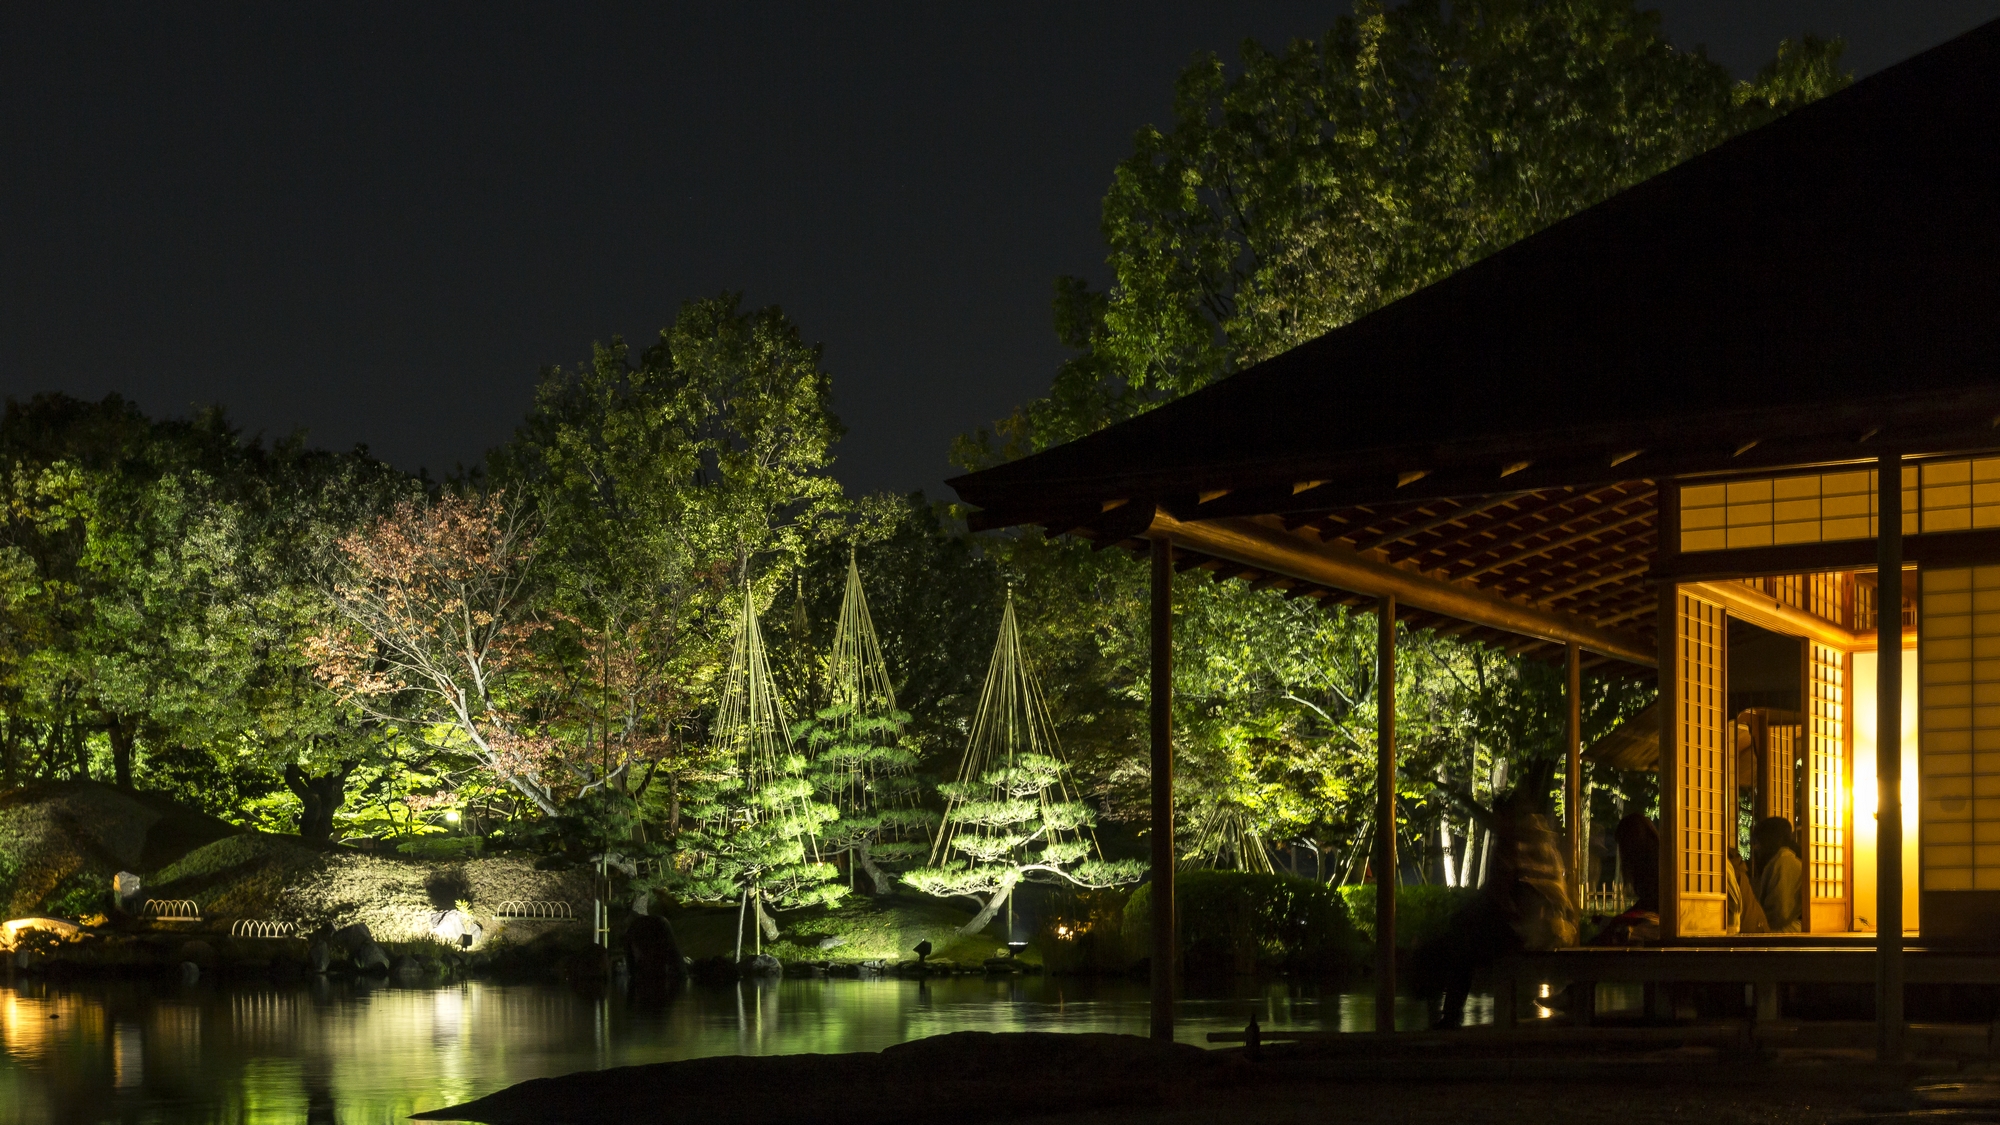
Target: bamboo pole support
<point>1573,810</point>
<point>1161,707</point>
<point>1385,814</point>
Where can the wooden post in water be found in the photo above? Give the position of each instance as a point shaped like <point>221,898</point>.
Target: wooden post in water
<point>1384,860</point>
<point>1573,810</point>
<point>1889,756</point>
<point>1165,939</point>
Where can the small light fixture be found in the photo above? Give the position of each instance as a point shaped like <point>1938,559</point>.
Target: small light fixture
<point>451,816</point>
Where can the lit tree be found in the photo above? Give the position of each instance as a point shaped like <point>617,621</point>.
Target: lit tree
<point>862,760</point>
<point>430,628</point>
<point>1011,815</point>
<point>756,819</point>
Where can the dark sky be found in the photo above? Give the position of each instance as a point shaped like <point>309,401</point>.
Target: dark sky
<point>380,223</point>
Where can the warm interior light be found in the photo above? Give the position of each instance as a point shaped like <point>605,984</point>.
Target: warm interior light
<point>1866,792</point>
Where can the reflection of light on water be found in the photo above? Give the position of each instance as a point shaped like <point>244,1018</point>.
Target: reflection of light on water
<point>336,1051</point>
<point>448,1013</point>
<point>128,1057</point>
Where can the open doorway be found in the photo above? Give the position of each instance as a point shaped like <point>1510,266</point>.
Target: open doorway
<point>1767,688</point>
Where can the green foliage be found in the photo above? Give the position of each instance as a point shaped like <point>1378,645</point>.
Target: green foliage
<point>757,819</point>
<point>861,760</point>
<point>441,847</point>
<point>1422,910</point>
<point>1287,197</point>
<point>658,479</point>
<point>1241,923</point>
<point>1011,815</point>
<point>79,894</point>
<point>1083,931</point>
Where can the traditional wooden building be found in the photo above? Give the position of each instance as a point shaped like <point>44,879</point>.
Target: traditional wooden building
<point>1737,428</point>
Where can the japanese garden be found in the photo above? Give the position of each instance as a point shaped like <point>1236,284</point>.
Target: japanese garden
<point>647,738</point>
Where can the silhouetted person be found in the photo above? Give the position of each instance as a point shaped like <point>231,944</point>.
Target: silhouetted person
<point>1639,860</point>
<point>1524,904</point>
<point>1779,873</point>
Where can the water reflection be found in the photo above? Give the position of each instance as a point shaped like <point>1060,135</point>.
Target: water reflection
<point>343,1052</point>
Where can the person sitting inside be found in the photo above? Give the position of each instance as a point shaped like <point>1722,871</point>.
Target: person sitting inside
<point>1639,858</point>
<point>1743,912</point>
<point>1778,873</point>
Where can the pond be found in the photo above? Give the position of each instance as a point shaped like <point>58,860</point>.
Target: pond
<point>339,1051</point>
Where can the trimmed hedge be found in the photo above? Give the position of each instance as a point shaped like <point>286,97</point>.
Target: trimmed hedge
<point>1423,910</point>
<point>1234,923</point>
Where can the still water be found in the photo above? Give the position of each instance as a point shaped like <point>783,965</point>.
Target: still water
<point>334,1051</point>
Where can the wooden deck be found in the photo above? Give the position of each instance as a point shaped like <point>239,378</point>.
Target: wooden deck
<point>1764,966</point>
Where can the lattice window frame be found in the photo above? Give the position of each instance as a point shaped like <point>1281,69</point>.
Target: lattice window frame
<point>1827,774</point>
<point>1701,772</point>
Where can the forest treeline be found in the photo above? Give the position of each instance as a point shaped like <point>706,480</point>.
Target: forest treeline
<point>315,642</point>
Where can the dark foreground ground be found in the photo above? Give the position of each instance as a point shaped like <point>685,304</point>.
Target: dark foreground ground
<point>967,1077</point>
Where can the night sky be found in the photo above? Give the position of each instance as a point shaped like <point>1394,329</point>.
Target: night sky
<point>380,223</point>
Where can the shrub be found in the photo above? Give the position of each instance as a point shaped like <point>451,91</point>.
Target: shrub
<point>441,847</point>
<point>1238,923</point>
<point>1082,931</point>
<point>1423,910</point>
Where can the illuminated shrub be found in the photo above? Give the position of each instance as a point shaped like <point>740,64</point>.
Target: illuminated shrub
<point>1238,923</point>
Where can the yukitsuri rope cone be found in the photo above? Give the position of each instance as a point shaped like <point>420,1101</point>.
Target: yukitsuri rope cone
<point>757,816</point>
<point>1011,815</point>
<point>862,762</point>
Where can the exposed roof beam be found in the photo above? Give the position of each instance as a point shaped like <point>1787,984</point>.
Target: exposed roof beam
<point>1252,543</point>
<point>1472,508</point>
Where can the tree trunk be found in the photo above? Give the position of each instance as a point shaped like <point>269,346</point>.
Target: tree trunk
<point>766,924</point>
<point>319,798</point>
<point>883,883</point>
<point>121,732</point>
<point>986,913</point>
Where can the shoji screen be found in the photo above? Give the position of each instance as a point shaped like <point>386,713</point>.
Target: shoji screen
<point>1825,834</point>
<point>1705,808</point>
<point>1958,744</point>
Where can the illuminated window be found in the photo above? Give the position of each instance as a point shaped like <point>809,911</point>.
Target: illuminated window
<point>1828,763</point>
<point>1958,744</point>
<point>1961,495</point>
<point>1958,495</point>
<point>1780,511</point>
<point>1702,692</point>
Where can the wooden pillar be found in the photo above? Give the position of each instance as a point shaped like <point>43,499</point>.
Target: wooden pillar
<point>1670,760</point>
<point>1574,812</point>
<point>1889,756</point>
<point>1165,938</point>
<point>1385,814</point>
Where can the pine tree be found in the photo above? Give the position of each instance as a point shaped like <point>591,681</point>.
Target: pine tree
<point>756,819</point>
<point>1011,816</point>
<point>863,763</point>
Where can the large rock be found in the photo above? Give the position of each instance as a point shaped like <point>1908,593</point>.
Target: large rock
<point>980,1076</point>
<point>455,928</point>
<point>369,958</point>
<point>651,951</point>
